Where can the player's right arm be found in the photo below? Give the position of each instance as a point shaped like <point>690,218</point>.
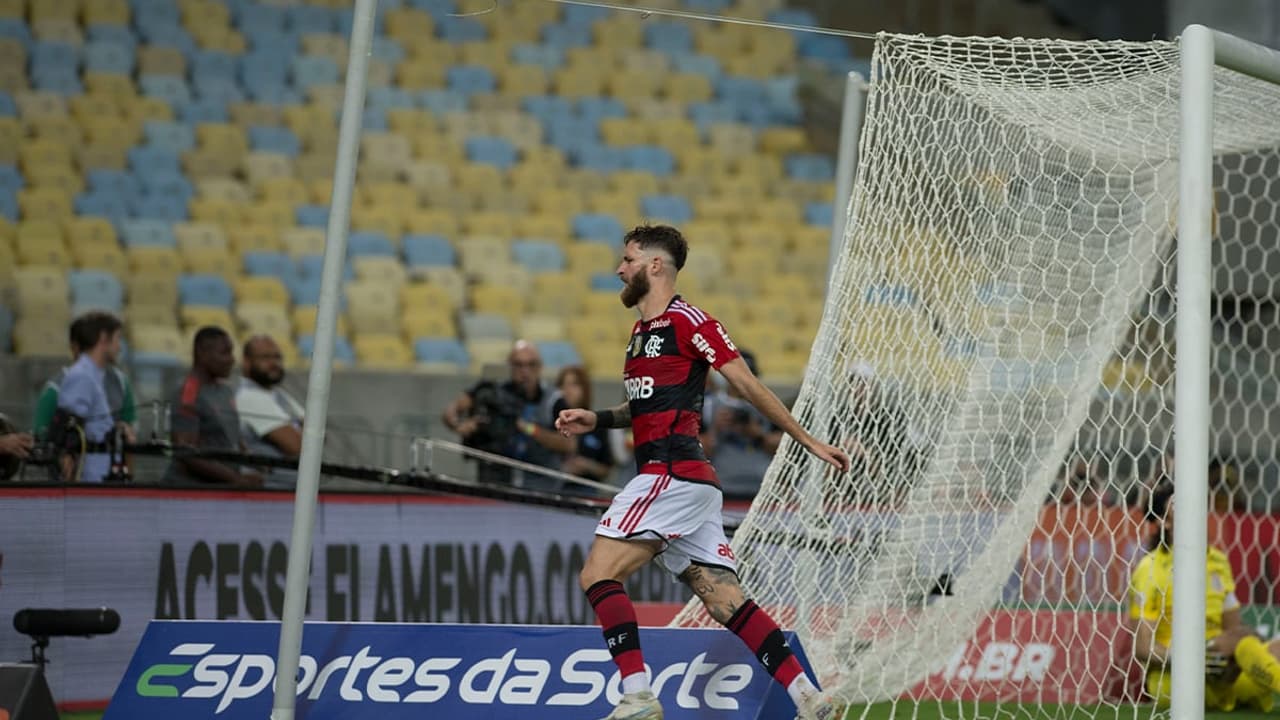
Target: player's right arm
<point>576,421</point>
<point>1145,610</point>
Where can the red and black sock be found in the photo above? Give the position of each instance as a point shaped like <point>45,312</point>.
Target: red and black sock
<point>763,636</point>
<point>618,618</point>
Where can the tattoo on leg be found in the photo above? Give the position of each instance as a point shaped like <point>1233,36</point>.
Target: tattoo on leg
<point>718,589</point>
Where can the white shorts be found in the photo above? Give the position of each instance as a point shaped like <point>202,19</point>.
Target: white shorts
<point>685,516</point>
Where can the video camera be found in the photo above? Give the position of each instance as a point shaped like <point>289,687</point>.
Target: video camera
<point>497,410</point>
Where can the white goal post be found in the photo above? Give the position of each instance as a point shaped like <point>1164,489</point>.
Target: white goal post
<point>1028,247</point>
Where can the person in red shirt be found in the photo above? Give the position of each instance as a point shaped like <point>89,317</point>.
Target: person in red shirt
<point>671,511</point>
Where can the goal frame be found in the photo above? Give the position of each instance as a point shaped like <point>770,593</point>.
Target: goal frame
<point>1203,49</point>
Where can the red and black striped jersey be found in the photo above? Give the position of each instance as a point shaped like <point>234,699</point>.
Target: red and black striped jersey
<point>665,376</point>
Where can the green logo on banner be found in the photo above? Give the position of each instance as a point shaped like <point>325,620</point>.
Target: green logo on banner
<point>146,689</point>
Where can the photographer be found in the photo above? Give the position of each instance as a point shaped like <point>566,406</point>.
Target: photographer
<point>515,418</point>
<point>14,448</point>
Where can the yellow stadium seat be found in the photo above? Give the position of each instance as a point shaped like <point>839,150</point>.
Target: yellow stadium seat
<point>477,251</point>
<point>224,137</point>
<point>388,219</point>
<point>158,339</point>
<point>304,320</point>
<point>320,190</point>
<point>101,256</point>
<point>646,60</point>
<point>506,301</point>
<point>388,193</point>
<point>13,51</point>
<point>431,222</point>
<point>203,164</point>
<point>63,130</point>
<point>112,131</point>
<point>505,202</point>
<point>494,224</point>
<point>42,251</point>
<point>56,177</point>
<point>303,118</point>
<point>151,314</point>
<point>287,190</point>
<point>40,287</point>
<point>586,258</point>
<point>732,139</point>
<point>314,165</point>
<point>556,293</point>
<point>432,297</point>
<point>477,178</point>
<point>11,134</point>
<point>577,82</point>
<point>221,39</point>
<point>13,76</point>
<point>543,226</point>
<point>301,241</point>
<point>783,140</point>
<point>387,271</point>
<point>197,316</point>
<point>702,161</point>
<point>385,148</point>
<point>490,54</point>
<point>36,104</point>
<point>373,307</point>
<point>263,318</point>
<point>376,171</point>
<point>540,328</point>
<point>211,261</point>
<point>436,147</point>
<point>521,80</point>
<point>258,167</point>
<point>269,213</point>
<point>227,213</point>
<point>247,114</point>
<point>327,45</point>
<point>758,167</point>
<point>505,275</point>
<point>45,336</point>
<point>89,108</point>
<point>600,332</point>
<point>101,157</point>
<point>41,153</point>
<point>532,178</point>
<point>487,353</point>
<point>148,108</point>
<point>199,236</point>
<point>525,132</point>
<point>407,121</point>
<point>410,26</point>
<point>432,51</point>
<point>89,231</point>
<point>428,323</point>
<point>623,131</point>
<point>106,12</point>
<point>688,87</point>
<point>634,183</point>
<point>747,188</point>
<point>44,204</point>
<point>718,208</point>
<point>118,88</point>
<point>584,181</point>
<point>152,287</point>
<point>621,205</point>
<point>382,351</point>
<point>778,212</point>
<point>559,201</point>
<point>448,279</point>
<point>676,134</point>
<point>245,238</point>
<point>602,303</point>
<point>704,265</point>
<point>619,31</point>
<point>261,289</point>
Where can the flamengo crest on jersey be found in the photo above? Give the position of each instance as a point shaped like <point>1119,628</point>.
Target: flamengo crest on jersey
<point>666,371</point>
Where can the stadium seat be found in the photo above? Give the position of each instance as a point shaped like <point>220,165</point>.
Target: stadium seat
<point>441,355</point>
<point>263,318</point>
<point>369,243</point>
<point>95,289</point>
<point>147,233</point>
<point>559,353</point>
<point>427,323</point>
<point>303,241</point>
<point>267,264</point>
<point>303,319</point>
<point>449,280</point>
<point>538,256</point>
<point>204,290</point>
<point>379,351</point>
<point>428,250</point>
<point>385,270</point>
<point>539,327</point>
<point>261,289</point>
<point>671,209</point>
<point>342,352</point>
<point>194,317</point>
<point>508,302</point>
<point>486,326</point>
<point>373,307</point>
<point>277,140</point>
<point>495,151</point>
<point>598,228</point>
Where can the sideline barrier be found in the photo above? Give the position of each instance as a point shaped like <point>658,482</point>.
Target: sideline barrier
<point>358,671</point>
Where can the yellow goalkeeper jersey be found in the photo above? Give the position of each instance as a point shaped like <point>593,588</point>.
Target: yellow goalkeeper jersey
<point>1151,592</point>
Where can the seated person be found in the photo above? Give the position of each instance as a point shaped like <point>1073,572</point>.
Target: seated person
<point>1239,667</point>
<point>270,419</point>
<point>594,458</point>
<point>203,416</point>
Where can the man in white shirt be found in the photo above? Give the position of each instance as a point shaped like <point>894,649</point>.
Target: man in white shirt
<point>270,418</point>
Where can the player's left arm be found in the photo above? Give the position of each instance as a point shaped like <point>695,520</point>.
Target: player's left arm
<point>756,393</point>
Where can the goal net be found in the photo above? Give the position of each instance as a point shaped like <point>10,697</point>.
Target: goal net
<point>996,354</point>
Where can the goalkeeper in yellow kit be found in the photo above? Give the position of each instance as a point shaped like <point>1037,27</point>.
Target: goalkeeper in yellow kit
<point>1239,668</point>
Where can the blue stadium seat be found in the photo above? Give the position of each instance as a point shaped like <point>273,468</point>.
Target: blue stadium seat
<point>342,351</point>
<point>303,289</point>
<point>822,47</point>
<point>274,139</point>
<point>793,16</point>
<point>598,227</point>
<point>213,64</point>
<point>369,243</point>
<point>171,89</point>
<point>601,158</point>
<point>570,132</point>
<point>585,14</point>
<point>167,34</point>
<point>818,213</point>
<point>471,79</point>
<point>308,70</point>
<point>460,29</point>
<point>374,119</point>
<point>435,8</point>
<point>162,9</point>
<point>147,233</point>
<point>559,353</point>
<point>741,90</point>
<point>546,56</point>
<point>548,108</point>
<point>95,289</point>
<point>168,208</point>
<point>310,266</point>
<point>108,57</point>
<point>10,178</point>
<point>605,282</point>
<point>52,56</point>
<point>269,92</point>
<point>668,37</point>
<point>387,49</point>
<point>15,28</point>
<point>9,206</point>
<point>443,101</point>
<point>707,6</point>
<point>174,136</point>
<point>270,264</point>
<point>391,97</point>
<point>172,184</point>
<point>8,108</point>
<point>99,204</point>
<point>442,350</point>
<point>265,42</point>
<point>674,209</point>
<point>62,81</point>
<point>706,114</point>
<point>306,19</point>
<point>204,289</point>
<point>538,256</point>
<point>599,108</point>
<point>260,17</point>
<point>809,166</point>
<point>121,183</point>
<point>650,158</point>
<point>496,151</point>
<point>203,110</point>
<point>311,215</point>
<point>109,33</point>
<point>559,35</point>
<point>344,20</point>
<point>428,250</point>
<point>144,160</point>
<point>697,64</point>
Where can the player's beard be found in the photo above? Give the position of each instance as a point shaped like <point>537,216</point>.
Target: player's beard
<point>635,289</point>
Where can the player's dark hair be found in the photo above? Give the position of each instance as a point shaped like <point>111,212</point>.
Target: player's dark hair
<point>1160,498</point>
<point>663,237</point>
<point>206,335</point>
<point>91,326</point>
<point>73,334</point>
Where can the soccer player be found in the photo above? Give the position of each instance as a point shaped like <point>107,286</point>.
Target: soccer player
<point>671,511</point>
<point>1239,667</point>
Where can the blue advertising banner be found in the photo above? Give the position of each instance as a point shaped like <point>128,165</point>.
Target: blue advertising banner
<point>354,671</point>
